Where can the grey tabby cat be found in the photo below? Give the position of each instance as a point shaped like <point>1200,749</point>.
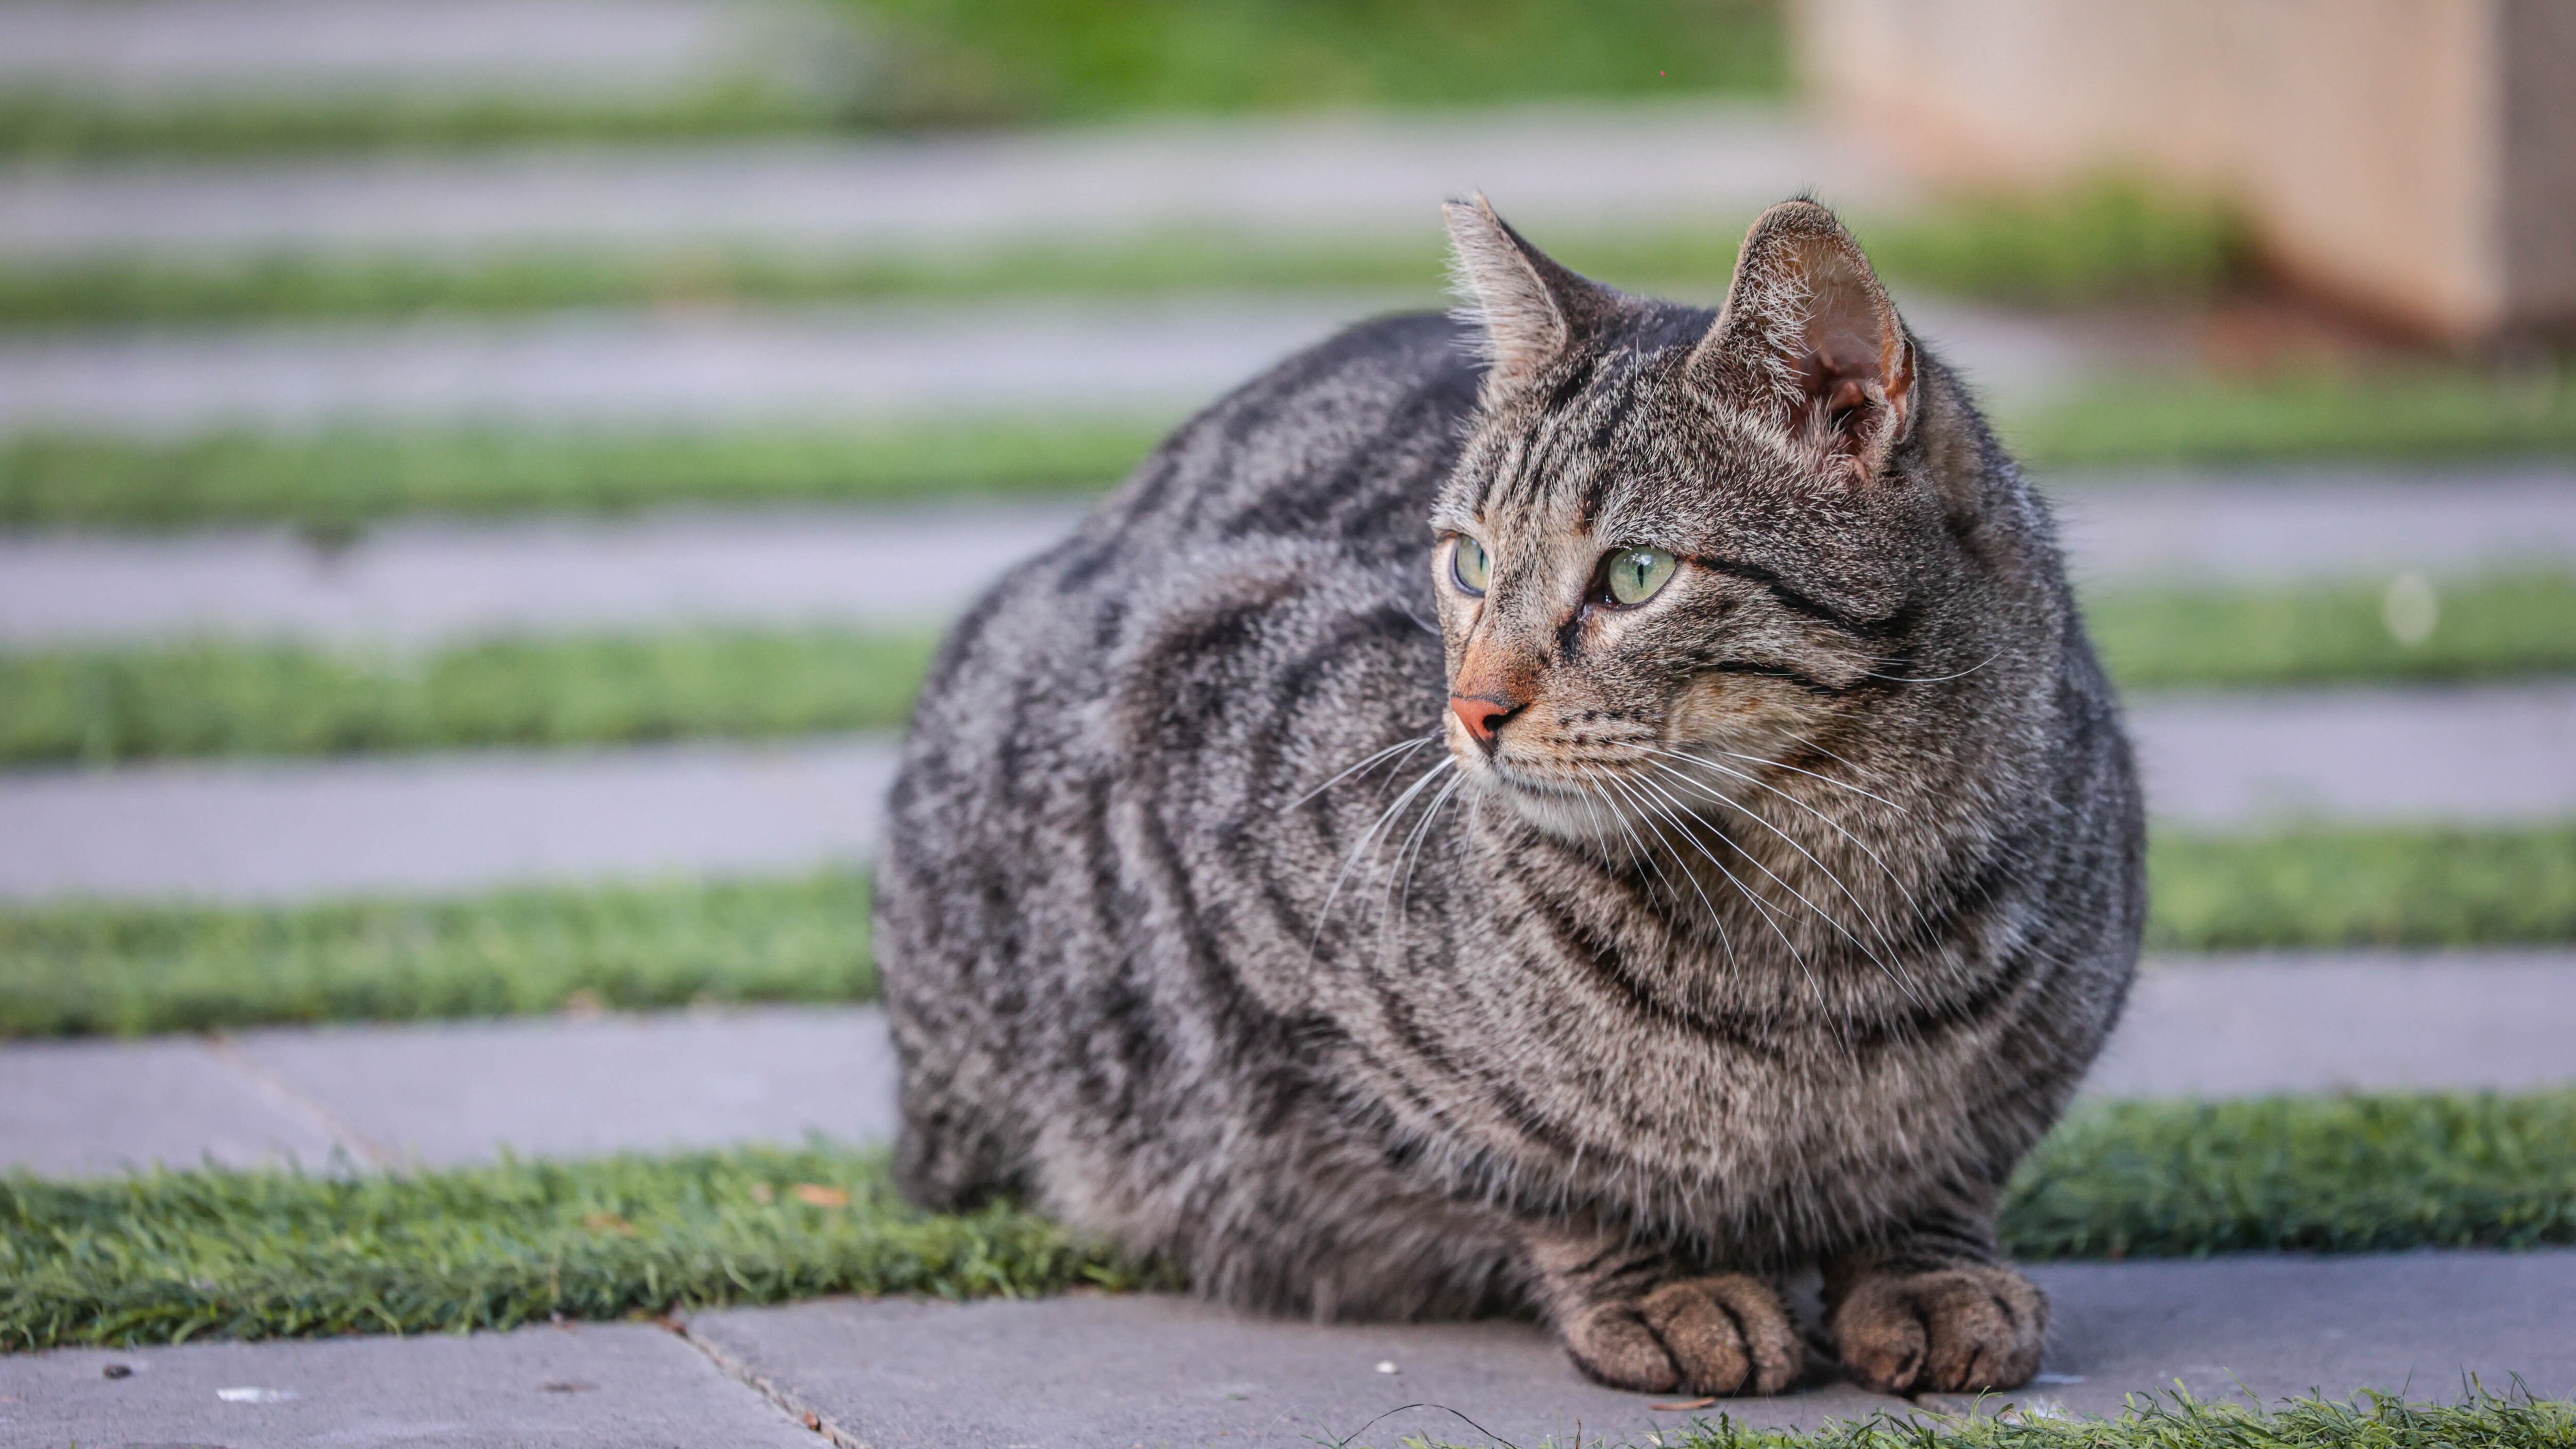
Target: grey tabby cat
<point>1591,812</point>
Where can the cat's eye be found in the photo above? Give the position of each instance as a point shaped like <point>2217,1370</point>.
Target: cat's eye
<point>1469,565</point>
<point>1634,575</point>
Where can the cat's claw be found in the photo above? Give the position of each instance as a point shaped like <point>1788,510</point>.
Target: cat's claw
<point>1950,1331</point>
<point>1728,1334</point>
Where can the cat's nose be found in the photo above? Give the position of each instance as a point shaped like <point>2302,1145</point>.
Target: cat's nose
<point>1482,716</point>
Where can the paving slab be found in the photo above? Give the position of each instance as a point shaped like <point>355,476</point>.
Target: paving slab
<point>93,1108</point>
<point>2485,754</point>
<point>440,823</point>
<point>592,1386</point>
<point>414,582</point>
<point>293,830</point>
<point>456,1092</point>
<point>2237,1026</point>
<point>179,50</point>
<point>1116,1372</point>
<point>1575,167</point>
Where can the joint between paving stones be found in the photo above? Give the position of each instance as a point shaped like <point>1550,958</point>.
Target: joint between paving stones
<point>741,1371</point>
<point>282,1094</point>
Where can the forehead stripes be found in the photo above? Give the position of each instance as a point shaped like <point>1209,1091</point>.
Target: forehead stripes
<point>1563,461</point>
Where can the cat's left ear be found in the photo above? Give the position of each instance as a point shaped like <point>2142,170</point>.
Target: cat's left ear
<point>1810,336</point>
<point>1533,310</point>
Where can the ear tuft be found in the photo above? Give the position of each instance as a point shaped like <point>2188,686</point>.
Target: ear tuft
<point>1810,338</point>
<point>1530,310</point>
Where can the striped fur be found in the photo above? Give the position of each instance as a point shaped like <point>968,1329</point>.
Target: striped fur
<point>1205,927</point>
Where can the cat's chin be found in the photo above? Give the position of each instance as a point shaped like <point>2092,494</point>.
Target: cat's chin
<point>1554,807</point>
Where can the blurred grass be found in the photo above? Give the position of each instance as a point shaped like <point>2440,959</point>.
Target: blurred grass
<point>985,62</point>
<point>2216,637</point>
<point>101,705</point>
<point>337,480</point>
<point>203,1254</point>
<point>218,698</point>
<point>2361,886</point>
<point>94,968</point>
<point>83,968</point>
<point>2417,413</point>
<point>2110,240</point>
<point>2372,1420</point>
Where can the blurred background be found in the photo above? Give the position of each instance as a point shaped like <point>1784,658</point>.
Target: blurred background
<point>481,478</point>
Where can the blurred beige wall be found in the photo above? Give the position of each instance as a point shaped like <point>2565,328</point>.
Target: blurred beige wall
<point>2415,157</point>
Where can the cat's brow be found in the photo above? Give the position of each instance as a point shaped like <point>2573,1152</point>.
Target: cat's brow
<point>1868,627</point>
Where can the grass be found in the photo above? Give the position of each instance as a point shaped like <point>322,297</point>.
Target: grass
<point>215,698</point>
<point>211,1253</point>
<point>2322,887</point>
<point>2495,627</point>
<point>2372,1421</point>
<point>2415,414</point>
<point>2104,241</point>
<point>982,62</point>
<point>97,968</point>
<point>336,481</point>
<point>129,969</point>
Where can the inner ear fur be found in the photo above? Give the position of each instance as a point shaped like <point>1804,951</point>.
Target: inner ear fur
<point>1531,309</point>
<point>1810,338</point>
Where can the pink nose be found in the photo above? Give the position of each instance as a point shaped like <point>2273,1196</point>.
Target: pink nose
<point>1480,715</point>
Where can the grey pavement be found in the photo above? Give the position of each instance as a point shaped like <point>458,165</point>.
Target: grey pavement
<point>590,1386</point>
<point>1157,356</point>
<point>286,830</point>
<point>420,581</point>
<point>454,1092</point>
<point>1554,168</point>
<point>178,50</point>
<point>1112,1372</point>
<point>479,821</point>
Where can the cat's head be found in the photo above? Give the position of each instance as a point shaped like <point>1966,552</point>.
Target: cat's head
<point>1676,538</point>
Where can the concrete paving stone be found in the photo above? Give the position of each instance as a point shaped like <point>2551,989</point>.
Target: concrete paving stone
<point>550,1087</point>
<point>417,582</point>
<point>2486,754</point>
<point>1153,358</point>
<point>439,823</point>
<point>422,583</point>
<point>452,1092</point>
<point>591,1386</point>
<point>1564,167</point>
<point>2236,1026</point>
<point>1116,1372</point>
<point>174,51</point>
<point>1156,357</point>
<point>93,1108</point>
<point>444,823</point>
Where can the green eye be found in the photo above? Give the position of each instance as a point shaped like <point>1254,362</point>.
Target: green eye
<point>1637,574</point>
<point>1467,562</point>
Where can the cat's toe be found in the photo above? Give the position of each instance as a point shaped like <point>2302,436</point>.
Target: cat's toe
<point>1727,1334</point>
<point>1949,1331</point>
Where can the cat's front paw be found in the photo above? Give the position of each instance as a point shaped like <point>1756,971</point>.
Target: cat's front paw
<point>1727,1334</point>
<point>1948,1331</point>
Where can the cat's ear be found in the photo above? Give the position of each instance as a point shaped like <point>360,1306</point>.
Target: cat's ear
<point>1532,310</point>
<point>1810,337</point>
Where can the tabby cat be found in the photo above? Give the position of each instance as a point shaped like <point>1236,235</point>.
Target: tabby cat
<point>1590,809</point>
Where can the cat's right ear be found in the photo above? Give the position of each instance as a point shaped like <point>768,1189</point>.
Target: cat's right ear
<point>1532,311</point>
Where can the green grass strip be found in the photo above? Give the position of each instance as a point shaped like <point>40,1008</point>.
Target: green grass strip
<point>2496,627</point>
<point>97,968</point>
<point>2362,886</point>
<point>165,1256</point>
<point>113,968</point>
<point>2420,413</point>
<point>217,698</point>
<point>2106,241</point>
<point>336,481</point>
<point>2158,1417</point>
<point>213,697</point>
